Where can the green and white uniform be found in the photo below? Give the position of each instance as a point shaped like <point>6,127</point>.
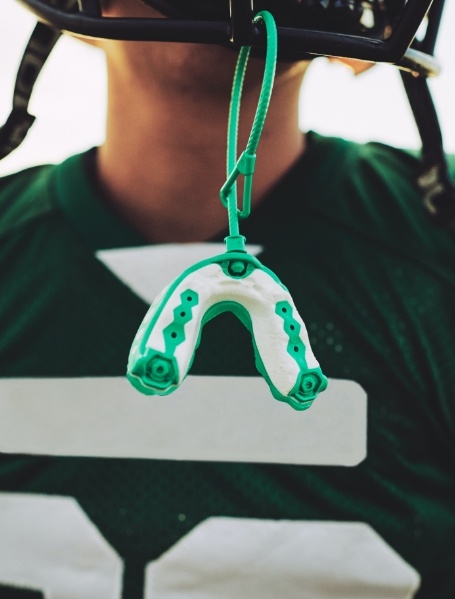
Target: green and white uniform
<point>375,285</point>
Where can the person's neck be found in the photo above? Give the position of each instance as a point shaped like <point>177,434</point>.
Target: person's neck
<point>163,161</point>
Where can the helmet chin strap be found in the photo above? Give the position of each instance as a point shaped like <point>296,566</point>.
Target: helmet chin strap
<point>19,121</point>
<point>438,192</point>
<point>37,51</point>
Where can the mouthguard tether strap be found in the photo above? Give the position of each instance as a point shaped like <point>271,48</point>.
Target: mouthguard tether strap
<point>164,346</point>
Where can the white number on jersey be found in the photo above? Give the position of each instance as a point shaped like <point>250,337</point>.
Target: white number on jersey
<point>48,543</point>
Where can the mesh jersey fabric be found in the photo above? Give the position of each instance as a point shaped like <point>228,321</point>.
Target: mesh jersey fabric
<point>344,230</point>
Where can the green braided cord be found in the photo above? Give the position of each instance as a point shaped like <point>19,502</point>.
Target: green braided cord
<point>233,128</point>
<point>245,164</point>
<point>267,84</point>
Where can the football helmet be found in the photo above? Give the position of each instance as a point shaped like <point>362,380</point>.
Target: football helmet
<point>400,32</point>
<point>373,30</point>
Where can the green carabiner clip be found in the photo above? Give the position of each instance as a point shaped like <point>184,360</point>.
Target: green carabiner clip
<point>164,346</point>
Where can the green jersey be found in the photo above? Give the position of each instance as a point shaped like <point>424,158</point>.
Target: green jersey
<point>92,507</point>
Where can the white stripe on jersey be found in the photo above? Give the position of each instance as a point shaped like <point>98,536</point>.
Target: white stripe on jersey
<point>209,418</point>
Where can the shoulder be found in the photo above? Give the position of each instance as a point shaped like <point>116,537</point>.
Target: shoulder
<point>370,190</point>
<point>371,168</point>
<point>25,197</point>
<point>355,173</point>
<point>401,161</point>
